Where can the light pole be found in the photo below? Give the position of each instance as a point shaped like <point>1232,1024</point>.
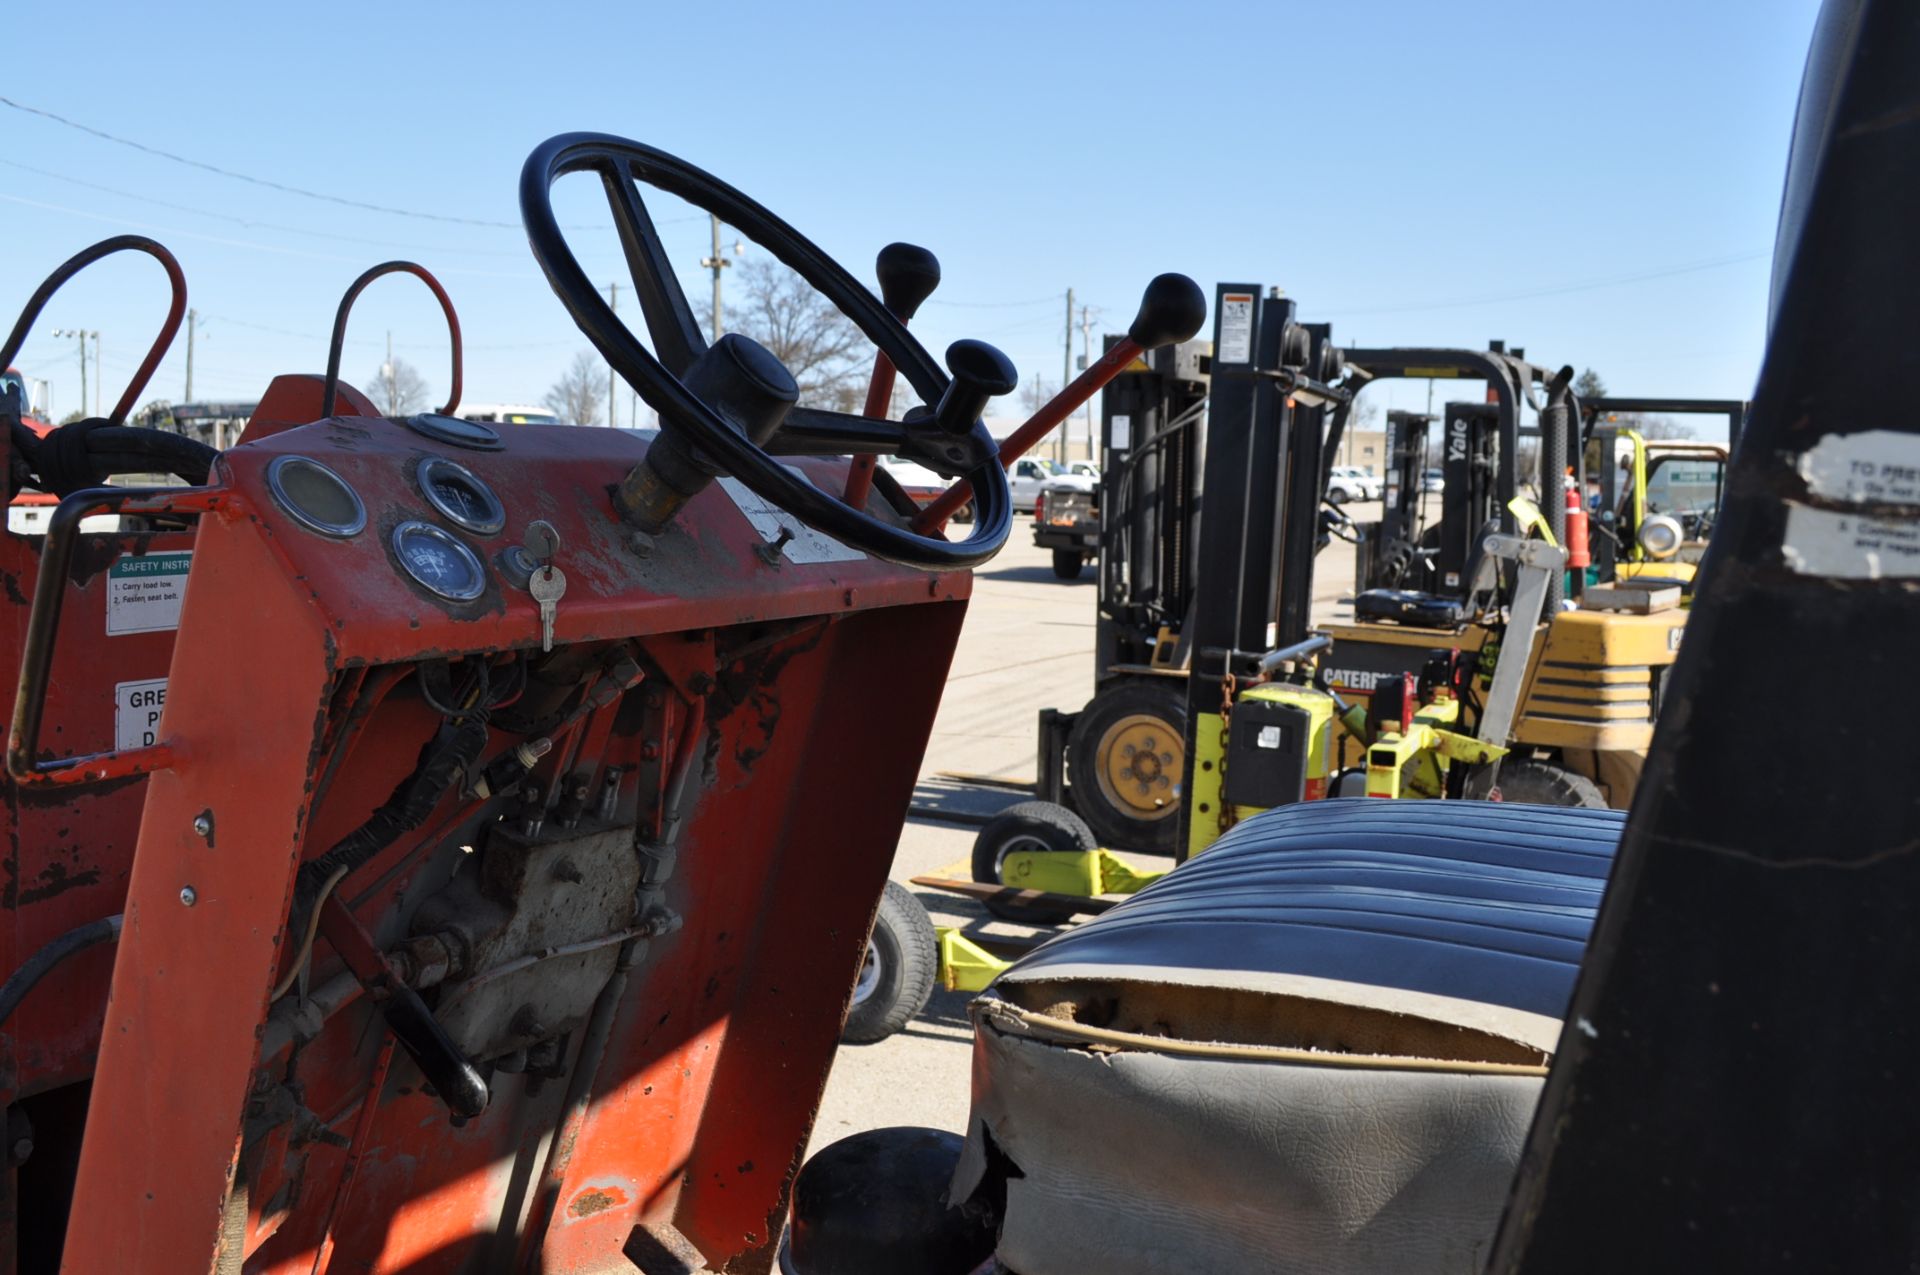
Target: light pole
<point>717,263</point>
<point>82,334</point>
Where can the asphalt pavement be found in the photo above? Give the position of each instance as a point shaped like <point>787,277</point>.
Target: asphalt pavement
<point>1027,645</point>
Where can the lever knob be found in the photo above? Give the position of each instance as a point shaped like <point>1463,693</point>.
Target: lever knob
<point>980,374</point>
<point>1171,310</point>
<point>908,275</point>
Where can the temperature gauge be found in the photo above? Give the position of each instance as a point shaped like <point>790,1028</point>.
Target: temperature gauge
<point>455,491</point>
<point>439,562</point>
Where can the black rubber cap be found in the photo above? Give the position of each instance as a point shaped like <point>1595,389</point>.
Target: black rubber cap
<point>875,1204</point>
<point>1171,311</point>
<point>983,367</point>
<point>908,275</point>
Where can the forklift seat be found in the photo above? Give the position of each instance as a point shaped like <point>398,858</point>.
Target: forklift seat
<point>1409,606</point>
<point>1316,1047</point>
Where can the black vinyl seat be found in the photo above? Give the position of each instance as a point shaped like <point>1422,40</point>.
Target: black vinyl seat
<point>1482,901</point>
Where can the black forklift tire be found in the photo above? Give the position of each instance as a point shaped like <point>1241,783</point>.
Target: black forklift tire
<point>1067,563</point>
<point>897,976</point>
<point>1110,716</point>
<point>1028,825</point>
<point>1537,783</point>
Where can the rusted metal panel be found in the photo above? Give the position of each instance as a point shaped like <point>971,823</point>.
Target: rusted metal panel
<point>295,710</point>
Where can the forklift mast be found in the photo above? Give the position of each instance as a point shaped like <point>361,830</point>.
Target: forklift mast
<point>1260,518</point>
<point>1152,435</point>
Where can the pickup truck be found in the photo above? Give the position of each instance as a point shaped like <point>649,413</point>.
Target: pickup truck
<point>1066,519</point>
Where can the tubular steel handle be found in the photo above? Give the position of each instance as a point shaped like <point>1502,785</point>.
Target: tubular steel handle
<point>1299,650</point>
<point>340,330</point>
<point>36,658</point>
<point>74,265</point>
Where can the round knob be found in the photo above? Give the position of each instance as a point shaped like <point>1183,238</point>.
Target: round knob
<point>1171,310</point>
<point>908,275</point>
<point>980,374</point>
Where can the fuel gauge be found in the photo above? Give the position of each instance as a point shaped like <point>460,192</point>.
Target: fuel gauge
<point>458,493</point>
<point>438,561</point>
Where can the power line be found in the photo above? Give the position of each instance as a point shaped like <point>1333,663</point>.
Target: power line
<point>1559,289</point>
<point>990,305</point>
<point>270,184</point>
<point>250,223</point>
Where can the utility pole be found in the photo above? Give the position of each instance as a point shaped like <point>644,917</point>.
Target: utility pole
<point>1066,378</point>
<point>717,263</point>
<point>192,318</point>
<point>81,334</point>
<point>1086,361</point>
<point>613,290</point>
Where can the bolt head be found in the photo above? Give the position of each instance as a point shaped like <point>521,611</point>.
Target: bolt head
<point>202,825</point>
<point>188,896</point>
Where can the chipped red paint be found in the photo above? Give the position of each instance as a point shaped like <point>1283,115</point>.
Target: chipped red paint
<point>292,706</point>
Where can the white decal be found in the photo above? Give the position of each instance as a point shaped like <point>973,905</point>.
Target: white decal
<point>136,712</point>
<point>1120,433</point>
<point>1878,466</point>
<point>1236,328</point>
<point>804,544</point>
<point>144,592</point>
<point>1821,542</point>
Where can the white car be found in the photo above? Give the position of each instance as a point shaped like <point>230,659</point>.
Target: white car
<point>1352,483</point>
<point>1029,474</point>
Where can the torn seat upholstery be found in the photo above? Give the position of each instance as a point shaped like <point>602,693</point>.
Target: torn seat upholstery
<point>1314,1048</point>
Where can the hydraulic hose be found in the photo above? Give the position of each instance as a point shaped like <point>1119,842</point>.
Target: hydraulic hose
<point>48,958</point>
<point>87,453</point>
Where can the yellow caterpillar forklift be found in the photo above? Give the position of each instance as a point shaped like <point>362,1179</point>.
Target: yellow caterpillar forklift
<point>1652,502</point>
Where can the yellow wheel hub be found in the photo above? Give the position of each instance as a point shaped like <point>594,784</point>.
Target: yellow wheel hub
<point>1141,761</point>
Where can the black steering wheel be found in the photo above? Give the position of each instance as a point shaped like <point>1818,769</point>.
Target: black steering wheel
<point>952,447</point>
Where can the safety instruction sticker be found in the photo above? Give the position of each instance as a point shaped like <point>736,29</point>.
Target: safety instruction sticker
<point>1825,542</point>
<point>1236,328</point>
<point>1120,433</point>
<point>136,712</point>
<point>803,543</point>
<point>144,592</point>
<point>1877,466</point>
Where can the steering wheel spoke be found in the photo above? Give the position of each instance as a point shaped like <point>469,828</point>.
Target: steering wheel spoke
<point>810,431</point>
<point>677,340</point>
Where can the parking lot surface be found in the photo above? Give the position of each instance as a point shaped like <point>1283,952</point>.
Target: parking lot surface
<point>1027,645</point>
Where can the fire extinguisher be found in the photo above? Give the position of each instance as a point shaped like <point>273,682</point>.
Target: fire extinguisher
<point>1578,555</point>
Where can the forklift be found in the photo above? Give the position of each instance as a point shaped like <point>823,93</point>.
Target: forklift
<point>1653,502</point>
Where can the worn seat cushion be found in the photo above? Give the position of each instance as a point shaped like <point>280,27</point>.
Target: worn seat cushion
<point>1316,1047</point>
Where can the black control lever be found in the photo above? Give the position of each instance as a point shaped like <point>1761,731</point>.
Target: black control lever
<point>980,375</point>
<point>458,1082</point>
<point>908,275</point>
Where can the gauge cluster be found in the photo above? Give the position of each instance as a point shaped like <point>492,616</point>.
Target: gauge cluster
<point>431,555</point>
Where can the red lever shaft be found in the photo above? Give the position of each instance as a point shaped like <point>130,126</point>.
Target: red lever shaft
<point>1061,406</point>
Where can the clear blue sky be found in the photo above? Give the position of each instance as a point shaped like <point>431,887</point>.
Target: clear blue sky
<point>1597,183</point>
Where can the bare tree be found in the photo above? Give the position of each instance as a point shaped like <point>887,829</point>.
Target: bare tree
<point>397,389</point>
<point>575,397</point>
<point>826,353</point>
<point>1035,394</point>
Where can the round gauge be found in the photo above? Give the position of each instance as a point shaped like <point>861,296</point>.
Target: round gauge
<point>458,493</point>
<point>439,562</point>
<point>318,498</point>
<point>450,429</point>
